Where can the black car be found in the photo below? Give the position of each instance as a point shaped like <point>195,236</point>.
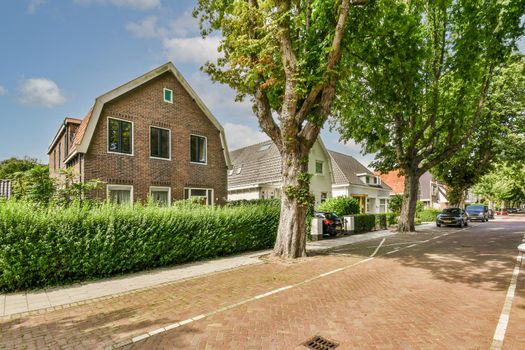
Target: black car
<point>452,216</point>
<point>478,212</point>
<point>331,222</point>
<point>512,210</point>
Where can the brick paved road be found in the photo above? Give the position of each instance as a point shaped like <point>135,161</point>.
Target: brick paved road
<point>446,293</point>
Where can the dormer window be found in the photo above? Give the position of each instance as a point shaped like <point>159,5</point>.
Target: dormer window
<point>168,95</point>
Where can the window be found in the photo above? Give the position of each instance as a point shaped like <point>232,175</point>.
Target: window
<point>55,159</point>
<point>59,155</point>
<point>120,194</point>
<point>160,141</point>
<point>168,95</point>
<point>318,167</point>
<point>198,149</point>
<point>120,138</point>
<point>383,206</point>
<point>161,195</point>
<point>203,195</point>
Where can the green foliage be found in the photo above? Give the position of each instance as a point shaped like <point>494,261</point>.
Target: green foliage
<point>364,223</point>
<point>416,86</point>
<point>498,135</point>
<point>395,203</point>
<point>301,191</point>
<point>266,201</point>
<point>391,218</point>
<point>381,221</point>
<point>55,245</point>
<point>11,166</point>
<point>428,215</point>
<point>340,206</point>
<point>506,182</point>
<point>72,189</point>
<point>34,185</point>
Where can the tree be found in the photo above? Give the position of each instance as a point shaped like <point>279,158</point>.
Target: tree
<point>13,165</point>
<point>504,184</point>
<point>417,91</point>
<point>285,56</point>
<point>502,121</point>
<point>34,185</point>
<point>72,190</point>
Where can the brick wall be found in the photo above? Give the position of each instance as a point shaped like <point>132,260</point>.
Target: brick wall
<point>145,107</point>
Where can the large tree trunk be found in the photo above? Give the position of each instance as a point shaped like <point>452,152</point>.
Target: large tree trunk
<point>291,234</point>
<point>408,209</point>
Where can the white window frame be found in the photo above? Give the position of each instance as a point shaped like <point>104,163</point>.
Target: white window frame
<point>132,137</point>
<point>120,188</point>
<point>201,188</point>
<point>164,95</point>
<point>322,167</point>
<point>206,154</point>
<point>169,142</point>
<point>161,189</point>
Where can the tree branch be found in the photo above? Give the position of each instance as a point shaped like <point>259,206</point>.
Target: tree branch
<point>265,118</point>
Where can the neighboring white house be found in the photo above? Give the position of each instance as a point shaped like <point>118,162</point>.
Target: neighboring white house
<point>353,179</point>
<point>256,172</point>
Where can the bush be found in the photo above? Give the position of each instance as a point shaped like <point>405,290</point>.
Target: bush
<point>381,221</point>
<point>395,203</point>
<point>428,215</point>
<point>364,223</point>
<point>53,245</point>
<point>391,219</point>
<point>340,206</point>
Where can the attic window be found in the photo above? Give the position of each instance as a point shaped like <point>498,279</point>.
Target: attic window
<point>238,171</point>
<point>264,148</point>
<point>230,172</point>
<point>168,95</point>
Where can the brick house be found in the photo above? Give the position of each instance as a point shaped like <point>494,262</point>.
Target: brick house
<point>152,136</point>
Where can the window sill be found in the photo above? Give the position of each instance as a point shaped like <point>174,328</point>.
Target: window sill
<point>121,153</point>
<point>199,163</point>
<point>159,158</point>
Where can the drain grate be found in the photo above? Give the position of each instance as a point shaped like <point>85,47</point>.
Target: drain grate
<point>320,343</point>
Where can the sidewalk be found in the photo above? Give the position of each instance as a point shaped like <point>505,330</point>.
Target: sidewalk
<point>56,298</point>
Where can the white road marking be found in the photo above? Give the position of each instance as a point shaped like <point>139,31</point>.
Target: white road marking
<point>501,329</point>
<point>260,296</point>
<point>379,246</point>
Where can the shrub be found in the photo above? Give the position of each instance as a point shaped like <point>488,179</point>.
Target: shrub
<point>395,203</point>
<point>340,206</point>
<point>391,219</point>
<point>428,215</point>
<point>381,221</point>
<point>53,245</point>
<point>364,222</point>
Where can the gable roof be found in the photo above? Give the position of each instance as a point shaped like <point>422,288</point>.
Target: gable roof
<point>87,128</point>
<point>67,120</point>
<point>346,169</point>
<point>259,164</point>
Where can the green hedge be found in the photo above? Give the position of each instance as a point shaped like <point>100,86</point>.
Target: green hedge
<point>340,206</point>
<point>49,246</point>
<point>364,223</point>
<point>428,215</point>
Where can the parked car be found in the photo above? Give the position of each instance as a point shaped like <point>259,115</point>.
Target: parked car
<point>512,210</point>
<point>478,213</point>
<point>331,222</point>
<point>491,214</point>
<point>452,216</point>
<point>502,212</point>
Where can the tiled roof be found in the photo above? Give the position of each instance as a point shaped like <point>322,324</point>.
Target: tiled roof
<point>346,169</point>
<point>81,131</point>
<point>394,180</point>
<point>255,164</point>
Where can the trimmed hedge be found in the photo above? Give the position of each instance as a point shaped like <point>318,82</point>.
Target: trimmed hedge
<point>364,223</point>
<point>43,246</point>
<point>428,215</point>
<point>340,206</point>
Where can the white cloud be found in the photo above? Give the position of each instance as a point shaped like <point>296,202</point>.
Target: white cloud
<point>239,135</point>
<point>146,28</point>
<point>33,5</point>
<point>192,50</point>
<point>184,25</point>
<point>41,92</point>
<point>3,90</point>
<point>136,4</point>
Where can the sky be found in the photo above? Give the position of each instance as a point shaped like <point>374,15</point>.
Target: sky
<point>57,56</point>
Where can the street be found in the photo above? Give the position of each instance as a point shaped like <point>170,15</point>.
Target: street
<point>443,288</point>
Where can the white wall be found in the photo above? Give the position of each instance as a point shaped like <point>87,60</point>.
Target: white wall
<point>373,194</point>
<point>320,183</point>
<point>245,194</point>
